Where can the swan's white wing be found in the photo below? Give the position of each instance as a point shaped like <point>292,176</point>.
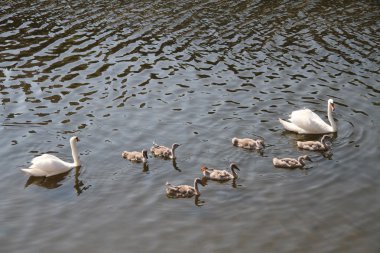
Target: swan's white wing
<point>309,122</point>
<point>50,164</point>
<point>44,157</point>
<point>290,126</point>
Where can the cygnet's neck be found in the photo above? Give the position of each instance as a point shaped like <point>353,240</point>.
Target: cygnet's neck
<point>234,174</point>
<point>173,152</point>
<point>301,160</point>
<point>196,187</point>
<point>324,141</point>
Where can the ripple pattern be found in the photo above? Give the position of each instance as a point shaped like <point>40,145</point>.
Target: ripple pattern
<point>121,74</point>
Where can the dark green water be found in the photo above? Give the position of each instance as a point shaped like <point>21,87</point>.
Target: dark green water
<point>121,74</point>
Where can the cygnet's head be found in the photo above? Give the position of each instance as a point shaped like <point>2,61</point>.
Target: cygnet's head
<point>203,168</point>
<point>175,145</point>
<point>261,143</point>
<point>233,166</point>
<point>306,157</point>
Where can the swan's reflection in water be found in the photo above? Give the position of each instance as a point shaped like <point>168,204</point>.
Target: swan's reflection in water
<point>79,186</point>
<point>47,182</point>
<point>327,154</point>
<point>145,168</point>
<point>56,181</point>
<point>234,184</point>
<point>232,181</point>
<point>175,165</point>
<point>198,202</point>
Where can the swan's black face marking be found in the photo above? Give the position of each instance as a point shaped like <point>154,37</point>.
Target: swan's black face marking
<point>76,138</point>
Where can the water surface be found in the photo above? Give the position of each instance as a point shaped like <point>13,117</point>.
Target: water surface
<point>121,74</point>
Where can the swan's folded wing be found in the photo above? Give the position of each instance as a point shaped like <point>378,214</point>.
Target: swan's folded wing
<point>50,164</point>
<point>35,172</point>
<point>43,158</point>
<point>290,126</point>
<point>308,121</point>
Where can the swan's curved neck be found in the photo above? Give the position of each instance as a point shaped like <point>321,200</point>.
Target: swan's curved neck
<point>301,160</point>
<point>74,153</point>
<point>196,187</point>
<point>234,174</point>
<point>173,153</point>
<point>331,118</point>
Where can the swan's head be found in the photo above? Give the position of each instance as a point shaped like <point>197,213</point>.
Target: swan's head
<point>331,104</point>
<point>234,141</point>
<point>74,139</point>
<point>175,145</point>
<point>233,166</point>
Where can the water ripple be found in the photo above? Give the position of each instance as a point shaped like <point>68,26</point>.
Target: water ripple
<point>121,74</point>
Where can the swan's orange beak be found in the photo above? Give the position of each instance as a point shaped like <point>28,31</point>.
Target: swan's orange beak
<point>332,107</point>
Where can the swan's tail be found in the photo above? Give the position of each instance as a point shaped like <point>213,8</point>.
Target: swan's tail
<point>290,126</point>
<point>169,186</point>
<point>26,170</point>
<point>33,172</point>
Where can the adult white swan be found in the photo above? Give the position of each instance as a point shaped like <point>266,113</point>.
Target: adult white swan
<point>47,165</point>
<point>307,122</point>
